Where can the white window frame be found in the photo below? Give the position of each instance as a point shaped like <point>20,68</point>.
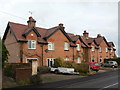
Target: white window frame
<point>93,48</point>
<point>31,58</point>
<point>32,44</point>
<point>51,46</point>
<point>100,49</point>
<point>66,46</point>
<point>66,59</point>
<point>50,59</point>
<point>93,59</point>
<point>78,60</point>
<point>106,49</point>
<point>111,50</point>
<point>78,47</point>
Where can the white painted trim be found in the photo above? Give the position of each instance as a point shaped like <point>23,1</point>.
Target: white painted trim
<point>30,58</point>
<point>31,41</point>
<point>50,59</point>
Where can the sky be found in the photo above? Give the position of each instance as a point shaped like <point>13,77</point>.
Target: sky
<point>94,16</point>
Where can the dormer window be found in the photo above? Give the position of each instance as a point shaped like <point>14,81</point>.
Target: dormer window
<point>93,48</point>
<point>31,44</point>
<point>78,47</point>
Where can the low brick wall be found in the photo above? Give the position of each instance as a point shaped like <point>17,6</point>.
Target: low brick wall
<point>23,73</point>
<point>21,65</point>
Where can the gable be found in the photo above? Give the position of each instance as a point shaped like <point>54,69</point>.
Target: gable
<point>31,29</point>
<point>9,33</point>
<point>103,44</point>
<point>51,32</point>
<point>58,35</point>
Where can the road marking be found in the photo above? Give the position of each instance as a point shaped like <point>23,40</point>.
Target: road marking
<point>108,86</point>
<point>111,85</point>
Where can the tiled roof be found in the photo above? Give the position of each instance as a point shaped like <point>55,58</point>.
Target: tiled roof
<point>19,30</point>
<point>90,40</point>
<point>111,44</point>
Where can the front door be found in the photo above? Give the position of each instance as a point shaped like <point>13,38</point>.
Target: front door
<point>34,63</point>
<point>50,62</point>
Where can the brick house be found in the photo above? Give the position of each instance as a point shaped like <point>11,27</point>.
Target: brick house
<point>28,43</point>
<point>100,48</point>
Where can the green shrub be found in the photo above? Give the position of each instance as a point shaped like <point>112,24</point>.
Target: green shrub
<point>59,63</point>
<point>35,79</point>
<point>43,69</point>
<point>82,68</point>
<point>9,70</point>
<point>69,64</point>
<point>23,82</point>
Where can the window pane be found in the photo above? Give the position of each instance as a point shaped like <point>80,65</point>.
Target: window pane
<point>50,46</point>
<point>33,44</point>
<point>29,44</point>
<point>65,46</point>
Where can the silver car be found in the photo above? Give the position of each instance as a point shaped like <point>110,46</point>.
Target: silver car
<point>110,64</point>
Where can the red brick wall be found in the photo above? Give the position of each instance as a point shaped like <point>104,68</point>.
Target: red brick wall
<point>103,54</point>
<point>23,73</point>
<point>32,53</point>
<point>78,53</point>
<point>13,47</point>
<point>94,54</point>
<point>58,38</point>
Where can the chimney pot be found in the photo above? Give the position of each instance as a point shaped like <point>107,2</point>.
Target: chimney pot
<point>85,34</point>
<point>61,24</point>
<point>31,22</point>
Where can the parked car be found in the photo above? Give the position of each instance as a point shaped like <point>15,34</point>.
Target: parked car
<point>63,70</point>
<point>95,66</point>
<point>111,64</point>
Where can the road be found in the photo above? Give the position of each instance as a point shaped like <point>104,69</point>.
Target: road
<point>100,81</point>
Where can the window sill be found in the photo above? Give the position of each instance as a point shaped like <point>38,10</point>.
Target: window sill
<point>32,48</point>
<point>50,50</point>
<point>66,50</point>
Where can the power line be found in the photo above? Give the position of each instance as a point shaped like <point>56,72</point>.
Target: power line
<point>18,16</point>
<point>12,15</point>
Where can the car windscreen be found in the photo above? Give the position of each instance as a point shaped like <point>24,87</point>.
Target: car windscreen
<point>96,64</point>
<point>111,62</point>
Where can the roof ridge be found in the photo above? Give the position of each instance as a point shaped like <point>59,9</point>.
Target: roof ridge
<point>17,23</point>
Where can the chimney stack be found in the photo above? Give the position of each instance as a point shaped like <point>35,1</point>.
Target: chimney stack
<point>31,22</point>
<point>98,35</point>
<point>61,24</point>
<point>86,34</point>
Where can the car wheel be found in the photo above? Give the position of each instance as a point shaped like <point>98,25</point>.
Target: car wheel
<point>97,70</point>
<point>56,71</point>
<point>113,66</point>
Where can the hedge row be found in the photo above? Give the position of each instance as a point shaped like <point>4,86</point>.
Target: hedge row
<point>82,67</point>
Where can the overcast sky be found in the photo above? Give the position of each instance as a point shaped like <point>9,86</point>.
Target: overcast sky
<point>95,16</point>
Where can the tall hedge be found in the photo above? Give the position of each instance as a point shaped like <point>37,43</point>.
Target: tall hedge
<point>59,63</point>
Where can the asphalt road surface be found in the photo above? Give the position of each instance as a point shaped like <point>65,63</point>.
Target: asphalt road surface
<point>100,81</point>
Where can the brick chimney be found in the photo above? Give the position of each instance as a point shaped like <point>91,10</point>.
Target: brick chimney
<point>86,34</point>
<point>31,22</point>
<point>61,24</point>
<point>98,35</point>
